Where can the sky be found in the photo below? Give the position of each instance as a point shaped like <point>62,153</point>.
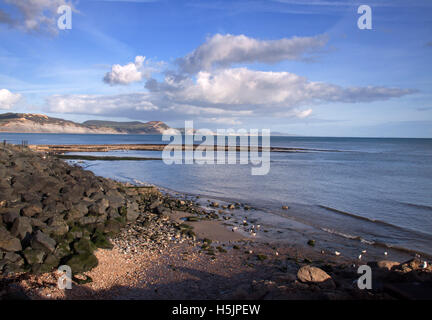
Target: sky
<point>291,66</point>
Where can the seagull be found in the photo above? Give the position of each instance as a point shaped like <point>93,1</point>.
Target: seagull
<point>253,234</point>
<point>337,253</point>
<point>424,266</point>
<point>364,251</point>
<point>385,253</point>
<point>359,257</point>
<point>234,229</point>
<point>276,253</point>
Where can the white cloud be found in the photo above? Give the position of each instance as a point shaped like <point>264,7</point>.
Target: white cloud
<point>131,72</point>
<point>8,99</point>
<point>33,15</point>
<point>226,50</point>
<point>98,104</point>
<point>240,87</point>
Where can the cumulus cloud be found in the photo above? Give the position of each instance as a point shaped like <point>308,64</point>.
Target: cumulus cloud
<point>131,72</point>
<point>209,89</point>
<point>8,99</point>
<point>241,87</point>
<point>100,104</point>
<point>32,15</point>
<point>226,50</point>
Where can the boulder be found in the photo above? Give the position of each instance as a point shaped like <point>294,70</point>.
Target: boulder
<point>74,214</point>
<point>11,214</point>
<point>99,207</point>
<point>48,265</point>
<point>82,262</point>
<point>155,204</point>
<point>31,210</point>
<point>115,198</point>
<point>112,226</point>
<point>132,211</point>
<point>43,242</point>
<point>62,250</point>
<point>57,226</point>
<point>312,274</point>
<point>21,227</point>
<point>386,264</point>
<point>88,220</point>
<point>9,242</point>
<point>84,246</point>
<point>33,256</point>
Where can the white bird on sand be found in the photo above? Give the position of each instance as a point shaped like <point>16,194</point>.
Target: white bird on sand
<point>359,257</point>
<point>424,266</point>
<point>337,253</point>
<point>364,251</point>
<point>234,229</point>
<point>385,253</point>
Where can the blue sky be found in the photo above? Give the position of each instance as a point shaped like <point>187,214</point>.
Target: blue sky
<point>300,67</point>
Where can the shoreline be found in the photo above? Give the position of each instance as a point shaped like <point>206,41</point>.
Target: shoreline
<point>65,148</point>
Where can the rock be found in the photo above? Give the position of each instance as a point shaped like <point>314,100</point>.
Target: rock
<point>74,214</point>
<point>48,265</point>
<point>9,242</point>
<point>57,226</point>
<point>33,256</point>
<point>15,258</point>
<point>43,242</point>
<point>413,264</point>
<point>88,220</point>
<point>132,211</point>
<point>114,198</point>
<point>31,210</point>
<point>62,250</point>
<point>21,227</point>
<point>309,273</point>
<point>113,213</point>
<point>101,241</point>
<point>285,207</point>
<point>385,264</point>
<point>311,243</point>
<point>155,204</point>
<point>11,214</point>
<point>99,207</point>
<point>82,262</point>
<point>84,246</point>
<point>112,226</point>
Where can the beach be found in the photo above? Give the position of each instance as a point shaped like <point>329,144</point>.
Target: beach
<point>164,246</point>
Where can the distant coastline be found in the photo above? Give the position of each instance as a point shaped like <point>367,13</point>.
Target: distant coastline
<point>40,123</point>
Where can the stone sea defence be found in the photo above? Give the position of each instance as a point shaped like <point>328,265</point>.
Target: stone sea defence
<point>53,213</point>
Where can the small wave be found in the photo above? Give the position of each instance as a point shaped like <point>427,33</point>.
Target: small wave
<point>342,234</point>
<point>376,243</point>
<point>416,205</point>
<point>384,223</point>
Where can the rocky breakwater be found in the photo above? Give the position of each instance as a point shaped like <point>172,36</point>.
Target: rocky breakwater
<point>53,213</point>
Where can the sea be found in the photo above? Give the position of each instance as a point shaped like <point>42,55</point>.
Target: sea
<point>351,195</point>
